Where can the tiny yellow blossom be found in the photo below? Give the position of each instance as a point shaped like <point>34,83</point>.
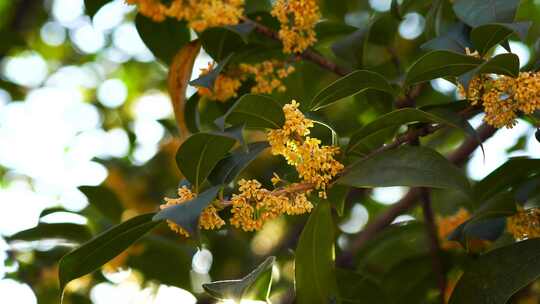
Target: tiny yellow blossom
<point>504,97</point>
<point>225,86</point>
<point>525,224</point>
<point>297,19</point>
<point>448,224</point>
<point>209,219</point>
<point>267,75</point>
<point>314,163</point>
<point>200,14</point>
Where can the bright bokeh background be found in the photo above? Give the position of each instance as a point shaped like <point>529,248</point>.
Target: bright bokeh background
<point>50,138</point>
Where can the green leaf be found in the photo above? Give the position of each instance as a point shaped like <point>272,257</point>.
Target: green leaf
<point>103,248</point>
<point>191,113</point>
<point>63,231</point>
<point>497,275</point>
<point>438,64</point>
<point>337,196</point>
<point>455,40</point>
<point>230,167</point>
<point>351,48</point>
<point>406,166</point>
<point>220,42</point>
<point>502,64</point>
<point>375,133</point>
<point>329,29</point>
<point>256,112</point>
<point>91,7</point>
<point>200,153</point>
<point>254,286</point>
<point>187,214</point>
<point>255,6</point>
<point>208,80</point>
<point>511,173</point>
<point>104,200</point>
<point>480,12</point>
<point>349,85</point>
<point>164,38</point>
<point>356,288</point>
<point>315,279</point>
<point>486,36</point>
<point>242,29</point>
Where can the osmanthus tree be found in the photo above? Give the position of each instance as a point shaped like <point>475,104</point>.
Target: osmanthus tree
<point>296,118</point>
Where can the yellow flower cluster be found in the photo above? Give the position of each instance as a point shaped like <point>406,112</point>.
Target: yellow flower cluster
<point>254,205</point>
<point>225,86</point>
<point>525,224</point>
<point>267,75</point>
<point>503,97</point>
<point>200,14</point>
<point>209,219</point>
<point>297,19</point>
<point>447,224</point>
<point>314,163</point>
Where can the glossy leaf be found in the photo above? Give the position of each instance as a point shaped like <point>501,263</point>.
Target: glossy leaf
<point>187,214</point>
<point>230,167</point>
<point>351,47</point>
<point>424,167</point>
<point>256,111</point>
<point>208,80</point>
<point>438,64</point>
<point>191,113</point>
<point>487,36</point>
<point>62,231</point>
<point>479,12</point>
<point>102,248</point>
<point>104,200</point>
<point>349,85</point>
<point>164,38</point>
<point>495,276</point>
<point>455,40</point>
<point>220,42</point>
<point>254,286</point>
<point>200,153</point>
<point>502,64</point>
<point>375,133</point>
<point>315,279</point>
<point>337,195</point>
<point>356,288</point>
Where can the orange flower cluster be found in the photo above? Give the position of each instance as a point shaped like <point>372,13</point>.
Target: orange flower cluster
<point>297,19</point>
<point>200,14</point>
<point>525,224</point>
<point>504,97</point>
<point>448,224</point>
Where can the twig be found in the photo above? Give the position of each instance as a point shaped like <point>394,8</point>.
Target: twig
<point>458,157</point>
<point>433,239</point>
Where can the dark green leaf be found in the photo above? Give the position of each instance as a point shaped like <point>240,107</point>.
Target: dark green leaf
<point>438,64</point>
<point>480,12</point>
<point>52,210</point>
<point>242,29</point>
<point>254,286</point>
<point>191,113</point>
<point>351,47</point>
<point>356,288</point>
<point>102,248</point>
<point>254,6</point>
<point>208,80</point>
<point>164,38</point>
<point>64,231</point>
<point>104,200</point>
<point>424,167</point>
<point>349,85</point>
<point>93,6</point>
<point>187,214</point>
<point>497,275</point>
<point>337,196</point>
<point>502,64</point>
<point>375,133</point>
<point>200,153</point>
<point>256,111</point>
<point>230,167</point>
<point>511,173</point>
<point>486,36</point>
<point>220,42</point>
<point>455,40</point>
<point>315,279</point>
<point>328,29</point>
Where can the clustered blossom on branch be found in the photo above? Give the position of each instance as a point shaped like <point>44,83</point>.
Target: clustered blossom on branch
<point>525,224</point>
<point>504,97</point>
<point>200,14</point>
<point>254,205</point>
<point>447,224</point>
<point>267,76</point>
<point>297,19</point>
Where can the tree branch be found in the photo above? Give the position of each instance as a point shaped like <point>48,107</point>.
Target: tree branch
<point>433,239</point>
<point>458,157</point>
